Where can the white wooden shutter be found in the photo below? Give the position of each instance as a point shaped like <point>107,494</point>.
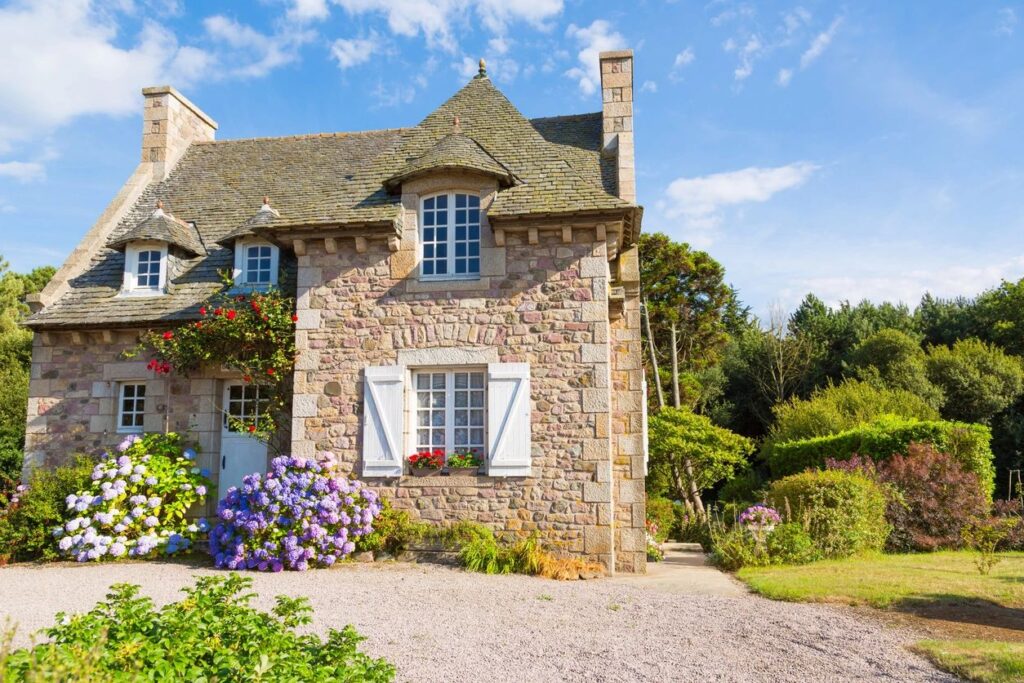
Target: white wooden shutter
<point>383,412</point>
<point>508,419</point>
<point>643,424</point>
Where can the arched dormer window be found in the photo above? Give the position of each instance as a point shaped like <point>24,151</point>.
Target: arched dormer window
<point>450,236</point>
<point>256,264</point>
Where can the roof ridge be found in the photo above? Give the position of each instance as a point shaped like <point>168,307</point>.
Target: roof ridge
<point>565,117</point>
<point>305,136</point>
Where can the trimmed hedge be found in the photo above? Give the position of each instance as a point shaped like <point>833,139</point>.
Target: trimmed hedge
<point>844,512</point>
<point>878,440</point>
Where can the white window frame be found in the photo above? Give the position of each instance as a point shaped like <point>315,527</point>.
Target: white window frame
<point>135,412</point>
<point>450,242</point>
<point>130,286</point>
<point>412,418</point>
<point>251,406</point>
<point>241,271</point>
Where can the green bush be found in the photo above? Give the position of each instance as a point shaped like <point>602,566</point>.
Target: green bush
<point>837,408</point>
<point>878,440</point>
<point>692,529</point>
<point>26,528</point>
<point>661,512</point>
<point>485,554</point>
<point>393,531</point>
<point>745,488</point>
<point>790,543</point>
<point>211,635</point>
<point>734,549</point>
<point>844,512</point>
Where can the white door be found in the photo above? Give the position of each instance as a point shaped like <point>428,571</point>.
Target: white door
<point>240,454</point>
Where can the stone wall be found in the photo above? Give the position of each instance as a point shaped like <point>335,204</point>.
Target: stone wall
<point>73,395</point>
<point>544,303</point>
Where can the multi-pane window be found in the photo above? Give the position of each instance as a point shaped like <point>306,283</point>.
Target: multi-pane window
<point>131,407</point>
<point>147,269</point>
<point>451,236</point>
<point>450,411</point>
<point>259,264</point>
<point>244,406</point>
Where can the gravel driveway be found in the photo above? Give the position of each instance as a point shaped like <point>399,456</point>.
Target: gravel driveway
<point>440,624</point>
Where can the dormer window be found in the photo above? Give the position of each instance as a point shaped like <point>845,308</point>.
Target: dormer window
<point>450,237</point>
<point>145,268</point>
<point>256,264</point>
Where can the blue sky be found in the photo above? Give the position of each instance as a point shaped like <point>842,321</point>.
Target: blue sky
<point>861,150</point>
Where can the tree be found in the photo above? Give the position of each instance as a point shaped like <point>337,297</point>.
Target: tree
<point>679,436</point>
<point>999,316</point>
<point>891,358</point>
<point>978,379</point>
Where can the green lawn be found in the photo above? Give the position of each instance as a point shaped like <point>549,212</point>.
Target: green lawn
<point>977,660</point>
<point>945,586</point>
<point>885,580</point>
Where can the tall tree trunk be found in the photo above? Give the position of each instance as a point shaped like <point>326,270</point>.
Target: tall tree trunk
<point>693,493</point>
<point>654,357</point>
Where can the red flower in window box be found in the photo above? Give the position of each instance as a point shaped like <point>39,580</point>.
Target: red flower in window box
<point>425,462</point>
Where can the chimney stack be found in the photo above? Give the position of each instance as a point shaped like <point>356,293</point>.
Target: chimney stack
<point>617,117</point>
<point>170,124</point>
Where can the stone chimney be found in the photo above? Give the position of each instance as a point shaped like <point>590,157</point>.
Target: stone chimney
<point>617,116</point>
<point>170,124</point>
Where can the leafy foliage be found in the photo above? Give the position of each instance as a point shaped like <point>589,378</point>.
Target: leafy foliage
<point>212,635</point>
<point>26,527</point>
<point>979,380</point>
<point>251,334</point>
<point>677,434</point>
<point>844,512</point>
<point>137,503</point>
<point>895,360</point>
<point>881,438</point>
<point>662,513</point>
<point>931,499</point>
<point>297,516</point>
<point>787,543</point>
<point>393,531</point>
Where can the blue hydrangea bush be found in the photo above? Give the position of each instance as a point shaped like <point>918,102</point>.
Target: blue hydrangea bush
<point>297,516</point>
<point>138,503</point>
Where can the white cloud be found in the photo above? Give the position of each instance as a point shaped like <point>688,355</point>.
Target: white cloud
<point>1007,22</point>
<point>820,43</point>
<point>699,200</point>
<point>75,66</point>
<point>795,19</point>
<point>23,171</point>
<point>748,54</point>
<point>349,52</point>
<point>308,10</point>
<point>393,95</point>
<point>254,54</point>
<point>784,77</point>
<point>684,58</point>
<point>592,40</point>
<point>499,45</point>
<point>649,86</point>
<point>433,18</point>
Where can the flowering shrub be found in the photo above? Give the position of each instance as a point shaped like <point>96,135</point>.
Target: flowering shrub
<point>253,334</point>
<point>431,460</point>
<point>655,553</point>
<point>137,503</point>
<point>759,516</point>
<point>295,517</point>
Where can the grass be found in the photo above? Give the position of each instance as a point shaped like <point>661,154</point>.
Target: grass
<point>977,660</point>
<point>979,616</point>
<point>886,580</point>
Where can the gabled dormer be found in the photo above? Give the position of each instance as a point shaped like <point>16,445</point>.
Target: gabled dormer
<point>148,249</point>
<point>257,260</point>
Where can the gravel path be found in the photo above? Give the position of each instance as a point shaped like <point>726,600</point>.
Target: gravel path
<point>440,624</point>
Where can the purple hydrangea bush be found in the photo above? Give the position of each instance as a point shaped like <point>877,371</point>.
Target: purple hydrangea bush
<point>296,517</point>
<point>138,502</point>
<point>760,516</point>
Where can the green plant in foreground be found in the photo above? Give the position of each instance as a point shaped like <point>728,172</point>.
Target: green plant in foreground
<point>987,661</point>
<point>211,635</point>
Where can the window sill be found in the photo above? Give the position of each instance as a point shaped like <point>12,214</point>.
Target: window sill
<point>450,285</point>
<point>130,430</point>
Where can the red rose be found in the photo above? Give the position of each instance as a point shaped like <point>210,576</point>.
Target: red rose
<point>168,335</point>
<point>153,364</point>
<point>199,325</point>
<point>295,318</point>
<point>270,371</point>
<point>231,315</point>
<point>247,379</point>
<point>252,428</point>
<point>202,310</point>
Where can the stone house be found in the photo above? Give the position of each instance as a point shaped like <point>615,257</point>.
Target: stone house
<point>471,281</point>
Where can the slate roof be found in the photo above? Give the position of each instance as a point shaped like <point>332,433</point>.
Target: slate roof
<point>162,227</point>
<point>339,179</point>
<point>455,151</point>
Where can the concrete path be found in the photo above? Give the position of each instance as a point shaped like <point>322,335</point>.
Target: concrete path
<point>685,571</point>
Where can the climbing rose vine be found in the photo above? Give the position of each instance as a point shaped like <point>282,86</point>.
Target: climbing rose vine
<point>252,334</point>
<point>296,517</point>
<point>137,504</point>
